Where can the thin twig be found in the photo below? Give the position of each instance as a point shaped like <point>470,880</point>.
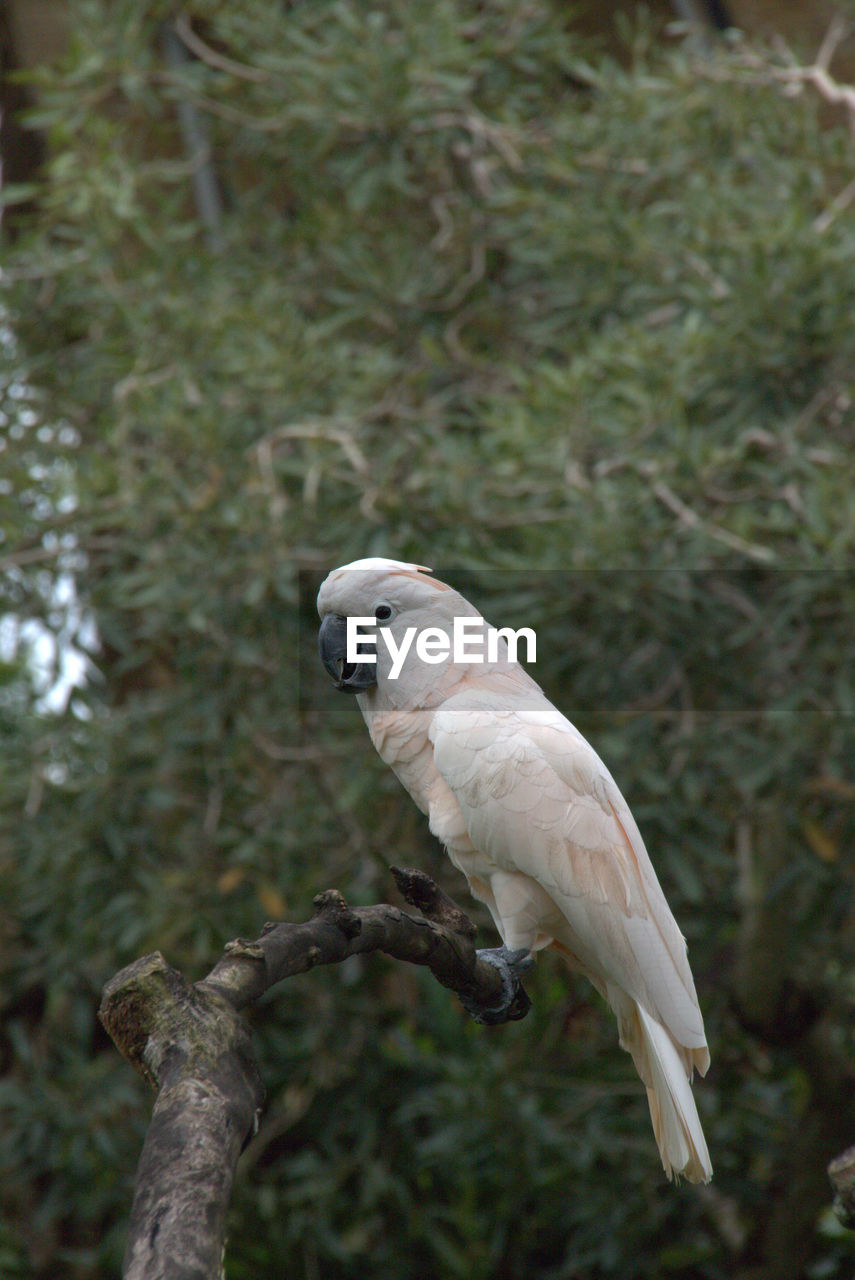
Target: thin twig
<point>197,144</point>
<point>205,53</point>
<point>691,520</point>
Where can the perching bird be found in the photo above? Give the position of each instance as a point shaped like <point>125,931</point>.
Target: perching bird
<point>533,818</point>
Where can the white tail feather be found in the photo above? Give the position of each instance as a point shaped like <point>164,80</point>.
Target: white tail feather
<point>676,1124</point>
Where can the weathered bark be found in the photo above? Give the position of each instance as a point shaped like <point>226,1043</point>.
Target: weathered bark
<point>841,1172</point>
<point>189,1043</point>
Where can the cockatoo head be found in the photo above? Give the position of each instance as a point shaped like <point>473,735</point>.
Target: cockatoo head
<point>398,596</point>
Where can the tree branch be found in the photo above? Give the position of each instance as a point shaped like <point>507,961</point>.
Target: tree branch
<point>189,1043</point>
<point>841,1173</point>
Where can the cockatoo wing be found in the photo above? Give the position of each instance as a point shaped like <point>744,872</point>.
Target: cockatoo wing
<point>537,800</point>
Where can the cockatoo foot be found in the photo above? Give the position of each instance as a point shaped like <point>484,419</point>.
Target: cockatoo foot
<point>510,965</point>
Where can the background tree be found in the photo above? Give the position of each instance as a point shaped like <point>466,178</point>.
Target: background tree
<point>578,333</point>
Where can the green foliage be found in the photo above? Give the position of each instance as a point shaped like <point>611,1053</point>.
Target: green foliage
<point>578,333</point>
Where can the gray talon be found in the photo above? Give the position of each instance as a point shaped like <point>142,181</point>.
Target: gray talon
<point>510,964</point>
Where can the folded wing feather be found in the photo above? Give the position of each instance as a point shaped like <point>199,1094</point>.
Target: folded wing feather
<point>537,799</point>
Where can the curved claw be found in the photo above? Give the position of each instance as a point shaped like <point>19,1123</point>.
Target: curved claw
<point>510,964</point>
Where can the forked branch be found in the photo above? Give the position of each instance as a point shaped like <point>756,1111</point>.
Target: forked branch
<point>189,1043</point>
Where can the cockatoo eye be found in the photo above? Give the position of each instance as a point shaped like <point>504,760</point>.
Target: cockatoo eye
<point>383,612</point>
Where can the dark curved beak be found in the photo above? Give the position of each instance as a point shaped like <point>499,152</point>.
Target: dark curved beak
<point>349,677</point>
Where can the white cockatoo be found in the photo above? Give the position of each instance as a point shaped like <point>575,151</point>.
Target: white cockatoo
<point>532,817</point>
